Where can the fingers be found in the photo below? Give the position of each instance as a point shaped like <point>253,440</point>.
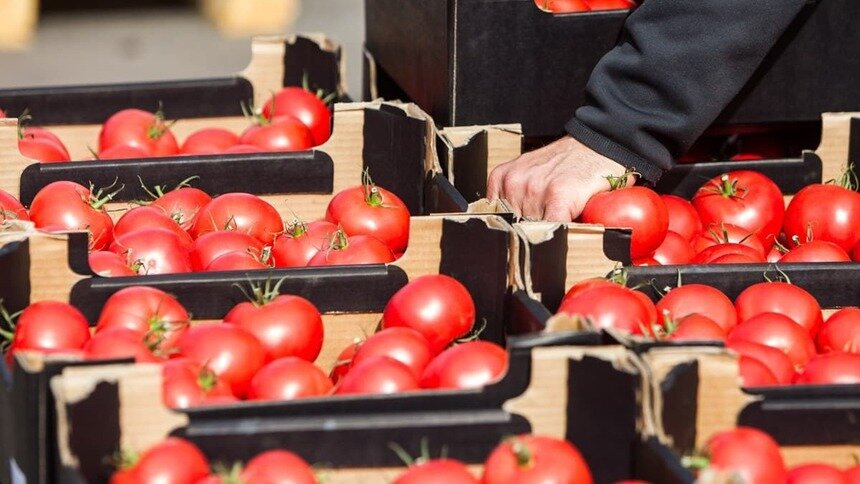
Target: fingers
<point>494,182</point>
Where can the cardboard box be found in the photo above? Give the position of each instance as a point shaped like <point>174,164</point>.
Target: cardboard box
<point>477,62</point>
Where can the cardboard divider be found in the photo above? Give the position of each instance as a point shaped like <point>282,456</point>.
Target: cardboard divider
<point>469,154</point>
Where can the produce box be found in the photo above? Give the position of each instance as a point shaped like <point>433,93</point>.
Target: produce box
<point>448,57</point>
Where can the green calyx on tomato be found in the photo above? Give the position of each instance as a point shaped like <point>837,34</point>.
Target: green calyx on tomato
<point>618,182</point>
<point>848,179</point>
<point>6,336</point>
<point>696,462</point>
<point>728,188</point>
<point>522,452</point>
<point>261,295</point>
<point>98,198</point>
<point>372,196</point>
<point>159,127</point>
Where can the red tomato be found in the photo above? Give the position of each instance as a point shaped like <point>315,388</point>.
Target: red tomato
<point>825,212</point>
<point>148,218</point>
<point>774,255</point>
<point>610,307</point>
<point>782,298</point>
<point>773,358</point>
<point>405,345</point>
<point>141,129</point>
<point>182,205</point>
<point>288,379</point>
<point>209,141</point>
<point>816,251</point>
<point>118,343</point>
<point>240,212</point>
<point>853,474</point>
<point>358,249</point>
<point>736,259</point>
<point>232,353</point>
<point>173,461</point>
<point>638,208</point>
<point>123,152</point>
<point>238,261</point>
<point>841,332</point>
<point>746,157</point>
<point>855,254</point>
<point>343,362</point>
<point>50,327</point>
<point>154,251</point>
<point>286,326</point>
<point>816,474</point>
<point>68,206</point>
<point>185,384</point>
<point>301,242</point>
<point>727,234</point>
<point>108,264</point>
<point>304,106</point>
<point>242,149</point>
<point>377,375</point>
<point>374,211</point>
<point>683,218</point>
<point>777,331</point>
<point>836,368</point>
<point>278,466</point>
<point>563,6</point>
<point>437,306</point>
<point>711,254</point>
<point>11,208</point>
<point>282,134</point>
<point>650,308</point>
<point>610,4</point>
<point>754,373</point>
<point>646,261</point>
<point>746,199</point>
<point>42,145</point>
<point>675,250</point>
<point>435,471</point>
<point>750,452</point>
<point>696,327</point>
<point>467,365</point>
<point>534,458</point>
<point>587,284</point>
<point>150,312</point>
<point>213,245</point>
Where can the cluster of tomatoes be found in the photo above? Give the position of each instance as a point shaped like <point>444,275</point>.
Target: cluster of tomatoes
<point>576,6</point>
<point>754,456</point>
<point>777,328</point>
<point>736,218</point>
<point>523,458</point>
<point>294,119</point>
<point>187,230</point>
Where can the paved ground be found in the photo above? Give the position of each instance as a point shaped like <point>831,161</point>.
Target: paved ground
<point>89,46</point>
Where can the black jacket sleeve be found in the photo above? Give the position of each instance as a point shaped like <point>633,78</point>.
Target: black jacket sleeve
<point>678,64</point>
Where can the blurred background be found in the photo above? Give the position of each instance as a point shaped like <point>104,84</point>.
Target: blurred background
<point>51,42</point>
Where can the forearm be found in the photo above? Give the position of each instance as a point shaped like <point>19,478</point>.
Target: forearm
<point>677,66</point>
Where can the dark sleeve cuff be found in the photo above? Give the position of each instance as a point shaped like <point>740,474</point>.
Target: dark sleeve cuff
<point>614,151</point>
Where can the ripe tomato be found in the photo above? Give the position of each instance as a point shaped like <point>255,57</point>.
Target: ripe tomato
<point>209,141</point>
<point>141,129</point>
<point>610,307</point>
<point>674,250</point>
<point>563,6</point>
<point>68,206</point>
<point>835,368</point>
<point>116,343</point>
<point>242,148</point>
<point>358,249</point>
<point>610,4</point>
<point>774,255</point>
<point>186,383</point>
<point>743,198</point>
<point>683,218</point>
<point>374,211</point>
<point>855,254</point>
<point>773,358</point>
<point>240,212</point>
<point>816,251</point>
<point>286,326</point>
<point>841,332</point>
<point>637,208</point>
<point>696,327</point>
<point>467,365</point>
<point>587,284</point>
<point>301,242</point>
<point>343,362</point>
<point>107,264</point>
<point>140,218</point>
<point>711,254</point>
<point>377,375</point>
<point>736,259</point>
<point>646,261</point>
<point>437,470</point>
<point>50,327</point>
<point>213,245</point>
<point>853,474</point>
<point>238,261</point>
<point>754,373</point>
<point>278,466</point>
<point>288,379</point>
<point>783,298</point>
<point>182,205</point>
<point>173,461</point>
<point>816,474</point>
<point>229,351</point>
<point>750,452</point>
<point>727,234</point>
<point>42,145</point>
<point>405,345</point>
<point>151,313</point>
<point>304,106</point>
<point>11,208</point>
<point>534,458</point>
<point>437,306</point>
<point>282,134</point>
<point>123,152</point>
<point>825,212</point>
<point>778,331</point>
<point>154,251</point>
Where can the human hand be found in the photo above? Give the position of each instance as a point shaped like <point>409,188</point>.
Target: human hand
<point>554,182</point>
